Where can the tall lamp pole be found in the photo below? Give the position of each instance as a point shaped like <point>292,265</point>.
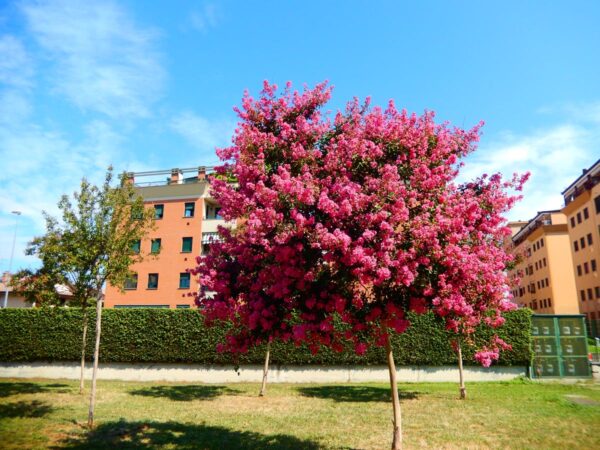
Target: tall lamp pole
<point>12,254</point>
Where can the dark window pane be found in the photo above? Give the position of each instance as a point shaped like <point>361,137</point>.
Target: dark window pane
<point>131,281</point>
<point>135,246</point>
<point>586,213</point>
<point>590,240</point>
<point>152,281</point>
<point>186,244</point>
<point>184,280</point>
<point>159,211</point>
<point>155,247</point>
<point>189,210</point>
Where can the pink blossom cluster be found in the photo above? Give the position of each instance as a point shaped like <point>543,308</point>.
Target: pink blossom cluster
<point>347,223</point>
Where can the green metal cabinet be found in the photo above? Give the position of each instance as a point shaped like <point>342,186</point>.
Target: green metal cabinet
<point>559,345</point>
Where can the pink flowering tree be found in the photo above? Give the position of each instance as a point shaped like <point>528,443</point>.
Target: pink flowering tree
<point>347,223</point>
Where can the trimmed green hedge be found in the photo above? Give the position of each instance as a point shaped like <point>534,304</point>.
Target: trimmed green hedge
<point>178,336</point>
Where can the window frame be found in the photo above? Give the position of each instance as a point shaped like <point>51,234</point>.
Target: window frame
<point>158,206</point>
<point>150,275</point>
<point>133,277</point>
<point>183,242</point>
<point>185,210</point>
<point>183,276</point>
<point>152,242</point>
<point>136,246</point>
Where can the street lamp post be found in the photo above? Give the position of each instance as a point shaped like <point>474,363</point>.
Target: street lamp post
<point>12,254</point>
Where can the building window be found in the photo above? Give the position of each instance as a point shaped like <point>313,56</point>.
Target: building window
<point>159,211</point>
<point>189,209</point>
<point>593,264</point>
<point>184,280</point>
<point>155,246</point>
<point>597,289</point>
<point>586,214</point>
<point>582,243</point>
<point>131,282</point>
<point>549,303</point>
<point>135,246</point>
<point>542,242</point>
<point>582,294</point>
<point>586,267</point>
<point>590,239</point>
<point>183,306</point>
<point>597,203</point>
<point>547,283</point>
<point>152,281</point>
<point>579,270</point>
<point>544,262</point>
<point>186,244</point>
<point>572,222</point>
<point>576,246</point>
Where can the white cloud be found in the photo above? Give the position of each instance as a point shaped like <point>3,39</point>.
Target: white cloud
<point>554,156</point>
<point>102,60</point>
<point>44,164</point>
<point>202,133</point>
<point>204,19</point>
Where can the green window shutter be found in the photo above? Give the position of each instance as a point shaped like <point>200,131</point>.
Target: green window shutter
<point>184,280</point>
<point>186,244</point>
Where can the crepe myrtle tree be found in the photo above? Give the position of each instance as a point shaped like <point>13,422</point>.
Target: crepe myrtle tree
<point>92,245</point>
<point>349,222</point>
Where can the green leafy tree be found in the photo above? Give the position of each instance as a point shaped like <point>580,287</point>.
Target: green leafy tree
<point>92,245</point>
<point>37,287</point>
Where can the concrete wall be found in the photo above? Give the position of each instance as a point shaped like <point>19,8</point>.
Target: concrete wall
<point>277,374</point>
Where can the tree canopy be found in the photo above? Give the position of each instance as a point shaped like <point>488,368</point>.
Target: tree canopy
<point>348,222</point>
<point>91,244</point>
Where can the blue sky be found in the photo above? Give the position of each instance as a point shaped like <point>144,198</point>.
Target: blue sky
<point>151,85</point>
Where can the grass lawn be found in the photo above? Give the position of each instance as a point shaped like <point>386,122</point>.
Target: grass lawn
<point>515,415</point>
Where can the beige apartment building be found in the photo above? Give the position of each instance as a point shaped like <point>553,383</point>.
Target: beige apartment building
<point>582,210</point>
<point>547,282</point>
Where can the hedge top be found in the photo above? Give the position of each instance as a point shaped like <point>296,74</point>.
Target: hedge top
<point>179,336</point>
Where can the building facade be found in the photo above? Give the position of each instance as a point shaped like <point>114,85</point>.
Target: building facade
<point>582,210</point>
<point>186,219</point>
<point>543,277</point>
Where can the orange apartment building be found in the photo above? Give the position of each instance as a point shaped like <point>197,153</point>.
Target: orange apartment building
<point>186,221</point>
<point>547,282</point>
<point>582,210</point>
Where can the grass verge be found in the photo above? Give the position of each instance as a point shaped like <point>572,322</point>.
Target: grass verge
<point>517,414</point>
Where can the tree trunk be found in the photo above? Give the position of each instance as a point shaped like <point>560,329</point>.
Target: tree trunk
<point>263,388</point>
<point>397,439</point>
<point>463,390</point>
<point>83,342</point>
<point>96,355</point>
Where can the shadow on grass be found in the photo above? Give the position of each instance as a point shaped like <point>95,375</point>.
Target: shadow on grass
<point>34,408</point>
<point>141,435</point>
<point>8,389</point>
<point>185,393</point>
<point>354,393</point>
